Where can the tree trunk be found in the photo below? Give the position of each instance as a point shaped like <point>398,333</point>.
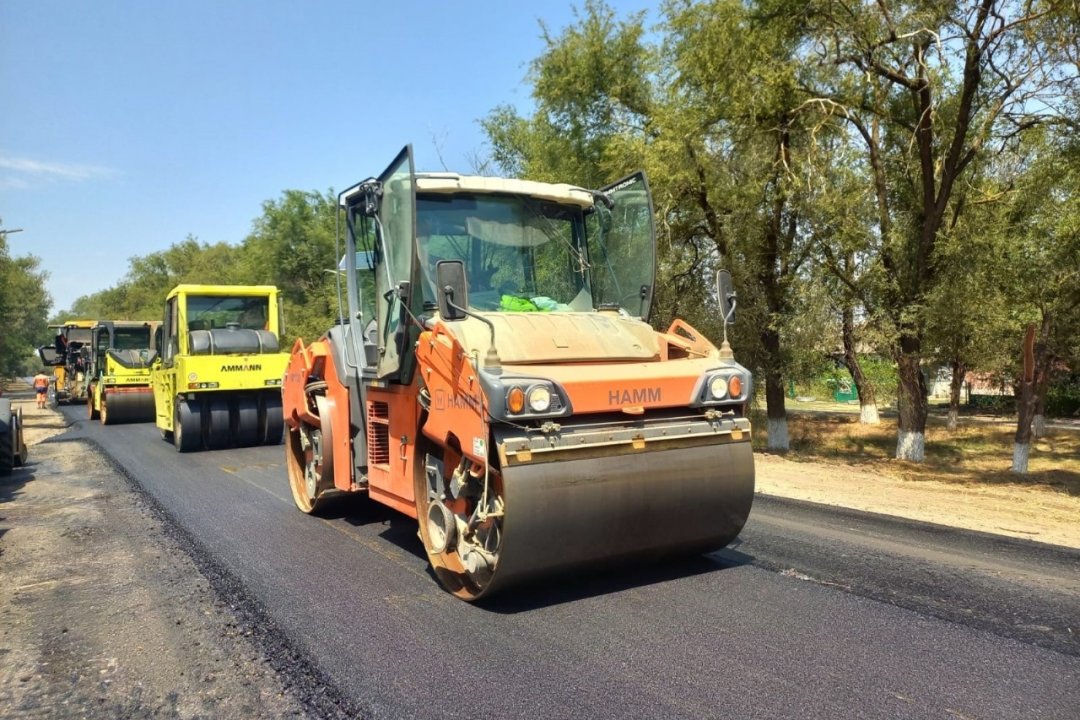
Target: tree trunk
<point>1038,421</point>
<point>911,401</point>
<point>868,412</point>
<point>1025,406</point>
<point>775,408</point>
<point>959,372</point>
<point>1036,369</point>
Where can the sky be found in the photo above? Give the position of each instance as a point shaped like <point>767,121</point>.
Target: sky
<point>126,125</point>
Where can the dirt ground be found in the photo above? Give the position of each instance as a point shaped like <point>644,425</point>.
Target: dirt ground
<point>1033,512</point>
<point>105,615</point>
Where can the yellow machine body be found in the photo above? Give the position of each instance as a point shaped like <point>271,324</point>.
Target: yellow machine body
<point>217,377</point>
<point>119,389</point>
<point>69,356</point>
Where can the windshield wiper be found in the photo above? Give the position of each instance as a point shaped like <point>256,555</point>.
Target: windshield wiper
<point>552,232</point>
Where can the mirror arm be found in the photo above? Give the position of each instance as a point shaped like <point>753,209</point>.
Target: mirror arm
<point>492,361</point>
<point>725,348</point>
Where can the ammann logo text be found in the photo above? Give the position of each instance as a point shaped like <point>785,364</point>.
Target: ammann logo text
<point>240,367</point>
<point>633,397</point>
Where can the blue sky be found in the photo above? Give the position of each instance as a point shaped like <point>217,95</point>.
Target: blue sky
<point>125,125</point>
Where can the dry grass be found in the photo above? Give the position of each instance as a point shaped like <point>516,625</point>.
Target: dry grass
<point>976,453</point>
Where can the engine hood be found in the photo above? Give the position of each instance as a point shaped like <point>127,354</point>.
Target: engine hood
<point>560,337</point>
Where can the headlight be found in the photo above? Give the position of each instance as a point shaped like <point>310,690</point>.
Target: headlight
<point>539,398</point>
<point>530,397</point>
<point>718,387</point>
<point>734,386</point>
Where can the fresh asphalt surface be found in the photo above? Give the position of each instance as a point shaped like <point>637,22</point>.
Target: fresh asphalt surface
<point>816,613</point>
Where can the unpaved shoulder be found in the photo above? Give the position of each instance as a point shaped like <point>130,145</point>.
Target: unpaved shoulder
<point>1032,513</point>
<point>103,614</point>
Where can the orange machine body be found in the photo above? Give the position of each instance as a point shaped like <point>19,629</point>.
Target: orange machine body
<point>495,378</point>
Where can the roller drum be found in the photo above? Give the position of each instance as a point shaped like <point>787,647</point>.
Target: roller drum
<point>636,506</point>
<point>121,407</point>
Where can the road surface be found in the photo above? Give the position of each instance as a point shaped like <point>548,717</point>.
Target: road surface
<point>816,613</point>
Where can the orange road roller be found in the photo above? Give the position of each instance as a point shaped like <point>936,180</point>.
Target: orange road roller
<point>494,376</point>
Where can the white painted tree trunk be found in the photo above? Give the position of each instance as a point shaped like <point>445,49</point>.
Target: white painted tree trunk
<point>1021,451</point>
<point>954,416</point>
<point>868,415</point>
<point>778,434</point>
<point>910,446</point>
<point>1038,426</point>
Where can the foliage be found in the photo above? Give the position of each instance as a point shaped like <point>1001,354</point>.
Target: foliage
<point>1063,397</point>
<point>822,383</point>
<point>24,306</point>
<point>291,245</point>
<point>140,294</point>
<point>837,158</point>
<point>909,167</point>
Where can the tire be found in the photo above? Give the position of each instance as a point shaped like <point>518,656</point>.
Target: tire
<point>245,422</point>
<point>8,437</point>
<point>92,412</point>
<point>271,419</point>
<point>103,413</point>
<point>21,451</point>
<point>217,423</point>
<point>187,425</point>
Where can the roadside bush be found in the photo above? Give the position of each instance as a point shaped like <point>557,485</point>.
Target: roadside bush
<point>1063,398</point>
<point>881,374</point>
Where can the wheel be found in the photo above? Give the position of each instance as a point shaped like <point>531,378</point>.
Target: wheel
<point>245,422</point>
<point>21,451</point>
<point>271,419</point>
<point>217,423</point>
<point>91,411</point>
<point>309,457</point>
<point>8,437</point>
<point>460,523</point>
<point>187,425</point>
<point>104,412</point>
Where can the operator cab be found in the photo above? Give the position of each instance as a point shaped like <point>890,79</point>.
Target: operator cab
<point>525,247</point>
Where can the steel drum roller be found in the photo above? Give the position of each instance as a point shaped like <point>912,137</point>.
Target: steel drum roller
<point>574,513</point>
<point>128,407</point>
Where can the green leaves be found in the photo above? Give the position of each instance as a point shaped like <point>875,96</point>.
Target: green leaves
<point>24,307</point>
<point>291,245</point>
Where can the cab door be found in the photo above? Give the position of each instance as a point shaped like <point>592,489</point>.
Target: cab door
<point>395,265</point>
<point>622,247</point>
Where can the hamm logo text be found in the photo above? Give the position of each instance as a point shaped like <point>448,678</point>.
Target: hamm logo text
<point>633,397</point>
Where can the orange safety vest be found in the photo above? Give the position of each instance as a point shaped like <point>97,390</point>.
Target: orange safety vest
<point>40,381</point>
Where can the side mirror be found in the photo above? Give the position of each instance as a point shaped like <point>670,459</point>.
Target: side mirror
<point>453,291</point>
<point>726,293</point>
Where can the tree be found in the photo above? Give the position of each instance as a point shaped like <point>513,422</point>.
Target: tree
<point>930,89</point>
<point>292,246</point>
<point>24,307</point>
<point>1044,257</point>
<point>140,294</point>
<point>841,222</point>
<point>711,116</point>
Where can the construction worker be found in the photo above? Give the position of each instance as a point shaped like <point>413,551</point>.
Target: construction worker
<point>41,387</point>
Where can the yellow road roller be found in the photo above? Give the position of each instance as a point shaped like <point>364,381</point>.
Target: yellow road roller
<point>120,358</point>
<point>69,356</point>
<point>217,377</point>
